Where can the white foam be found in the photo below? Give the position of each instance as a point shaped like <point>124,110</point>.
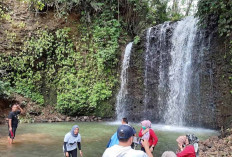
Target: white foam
<point>114,123</point>
<point>172,128</point>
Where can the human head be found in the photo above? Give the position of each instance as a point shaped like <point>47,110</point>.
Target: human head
<point>181,140</point>
<point>75,130</point>
<point>14,107</point>
<point>168,154</point>
<point>146,124</point>
<point>124,121</point>
<point>125,134</point>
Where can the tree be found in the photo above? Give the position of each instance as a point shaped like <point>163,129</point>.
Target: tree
<point>189,7</point>
<point>175,7</point>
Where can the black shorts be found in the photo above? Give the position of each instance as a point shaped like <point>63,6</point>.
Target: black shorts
<point>12,132</point>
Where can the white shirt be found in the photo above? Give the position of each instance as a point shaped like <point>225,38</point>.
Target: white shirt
<point>71,141</point>
<point>120,151</point>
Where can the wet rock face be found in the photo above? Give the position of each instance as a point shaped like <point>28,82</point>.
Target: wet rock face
<point>4,109</point>
<point>208,102</point>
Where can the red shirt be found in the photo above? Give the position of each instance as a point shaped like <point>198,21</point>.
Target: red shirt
<point>187,152</point>
<point>153,139</point>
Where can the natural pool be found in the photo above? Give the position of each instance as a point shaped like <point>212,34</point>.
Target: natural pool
<point>46,139</point>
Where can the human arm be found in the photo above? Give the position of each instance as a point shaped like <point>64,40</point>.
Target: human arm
<point>145,131</point>
<point>65,149</point>
<point>112,137</point>
<point>81,153</point>
<point>21,110</point>
<point>66,138</point>
<point>10,124</point>
<point>180,147</point>
<point>154,138</point>
<point>10,116</point>
<point>79,145</point>
<point>145,144</point>
<point>108,144</point>
<point>142,132</point>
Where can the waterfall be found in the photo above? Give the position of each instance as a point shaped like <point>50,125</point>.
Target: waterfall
<point>180,72</point>
<point>173,75</point>
<point>172,81</point>
<point>146,99</point>
<point>156,62</point>
<point>121,97</point>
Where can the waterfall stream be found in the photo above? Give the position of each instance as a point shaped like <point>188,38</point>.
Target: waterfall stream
<point>180,72</point>
<point>177,86</point>
<point>121,100</point>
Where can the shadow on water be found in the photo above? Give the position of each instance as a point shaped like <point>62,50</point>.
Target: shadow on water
<point>45,140</point>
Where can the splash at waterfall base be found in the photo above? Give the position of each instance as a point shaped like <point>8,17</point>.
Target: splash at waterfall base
<point>153,69</point>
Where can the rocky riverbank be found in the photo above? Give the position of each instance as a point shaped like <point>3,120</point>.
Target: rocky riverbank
<point>217,146</point>
<point>35,113</point>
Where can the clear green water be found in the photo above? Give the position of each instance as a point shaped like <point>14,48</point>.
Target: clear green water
<point>46,139</point>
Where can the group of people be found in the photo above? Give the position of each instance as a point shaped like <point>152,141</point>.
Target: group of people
<point>187,147</point>
<point>121,144</point>
<point>124,141</point>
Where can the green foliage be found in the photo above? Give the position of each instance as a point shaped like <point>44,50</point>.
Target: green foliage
<point>5,89</point>
<point>136,40</point>
<point>37,4</point>
<point>176,17</point>
<point>217,15</point>
<point>91,85</point>
<point>36,67</point>
<point>3,12</point>
<point>218,12</point>
<point>134,15</point>
<point>80,73</point>
<point>138,15</point>
<point>82,77</point>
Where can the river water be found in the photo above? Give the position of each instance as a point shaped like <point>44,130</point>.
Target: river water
<point>46,139</point>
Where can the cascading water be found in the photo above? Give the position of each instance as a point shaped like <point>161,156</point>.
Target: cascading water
<point>146,94</point>
<point>156,63</point>
<point>180,72</point>
<point>176,87</point>
<point>172,81</point>
<point>121,97</point>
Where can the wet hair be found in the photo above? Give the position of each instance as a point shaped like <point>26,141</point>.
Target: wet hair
<point>125,120</point>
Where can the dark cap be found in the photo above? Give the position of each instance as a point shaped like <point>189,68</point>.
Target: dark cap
<point>125,132</point>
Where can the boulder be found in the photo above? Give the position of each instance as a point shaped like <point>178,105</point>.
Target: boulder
<point>67,119</point>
